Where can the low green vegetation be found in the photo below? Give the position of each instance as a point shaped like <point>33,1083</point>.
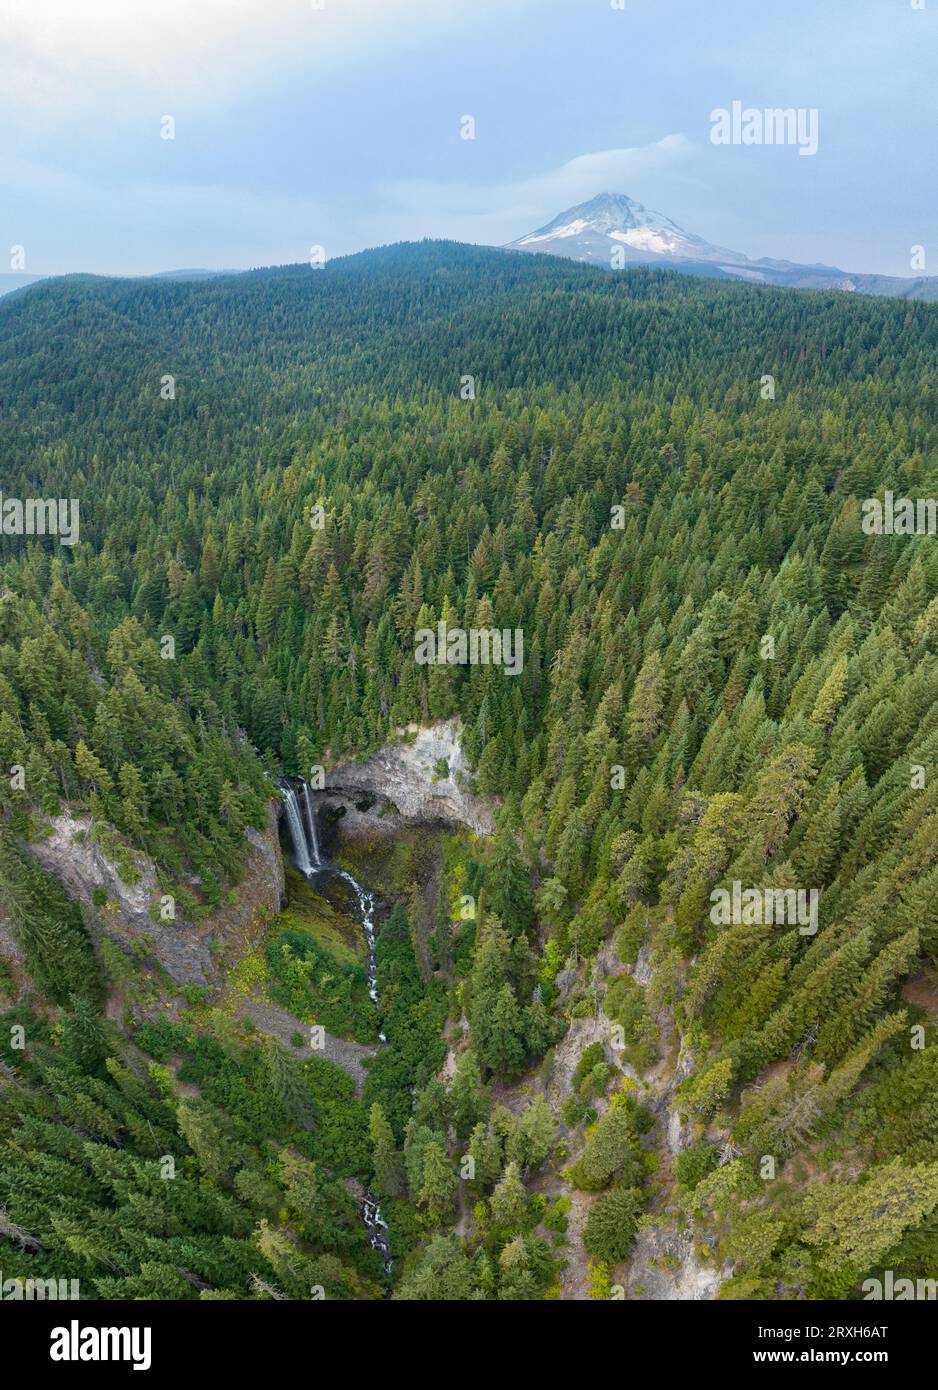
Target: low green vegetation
<point>310,962</point>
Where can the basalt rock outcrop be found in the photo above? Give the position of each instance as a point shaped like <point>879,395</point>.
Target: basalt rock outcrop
<point>191,953</point>
<point>422,779</point>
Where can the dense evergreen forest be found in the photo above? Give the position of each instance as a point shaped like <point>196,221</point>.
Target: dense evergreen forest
<point>725,680</point>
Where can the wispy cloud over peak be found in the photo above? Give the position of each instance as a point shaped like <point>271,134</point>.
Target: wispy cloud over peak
<point>499,211</point>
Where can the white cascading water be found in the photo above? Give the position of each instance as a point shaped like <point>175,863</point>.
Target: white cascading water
<point>297,833</point>
<point>366,907</point>
<point>313,831</point>
<point>310,863</point>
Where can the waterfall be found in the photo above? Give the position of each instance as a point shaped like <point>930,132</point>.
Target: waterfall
<point>377,1229</point>
<point>305,845</point>
<point>366,906</point>
<point>313,832</point>
<point>375,1223</point>
<point>297,833</point>
<point>303,832</point>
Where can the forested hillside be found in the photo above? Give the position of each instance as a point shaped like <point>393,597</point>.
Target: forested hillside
<point>725,680</point>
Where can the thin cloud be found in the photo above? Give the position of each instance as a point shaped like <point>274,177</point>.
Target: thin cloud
<point>61,56</point>
<point>236,226</point>
<point>498,212</point>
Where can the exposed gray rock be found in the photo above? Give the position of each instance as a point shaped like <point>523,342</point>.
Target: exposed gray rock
<point>677,1133</point>
<point>70,852</point>
<point>664,1265</point>
<point>564,982</point>
<point>183,948</point>
<point>279,1024</point>
<point>564,1057</point>
<point>641,970</point>
<point>405,783</point>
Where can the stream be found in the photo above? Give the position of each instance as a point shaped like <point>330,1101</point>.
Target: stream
<point>318,871</point>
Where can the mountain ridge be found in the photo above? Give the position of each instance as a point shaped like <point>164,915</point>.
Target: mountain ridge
<point>613,230</point>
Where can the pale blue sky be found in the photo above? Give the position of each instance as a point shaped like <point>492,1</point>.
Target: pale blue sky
<point>298,126</point>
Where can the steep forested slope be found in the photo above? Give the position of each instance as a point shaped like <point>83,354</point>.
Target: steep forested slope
<point>725,680</point>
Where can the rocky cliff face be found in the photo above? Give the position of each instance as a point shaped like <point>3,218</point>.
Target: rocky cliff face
<point>422,779</point>
<point>187,951</point>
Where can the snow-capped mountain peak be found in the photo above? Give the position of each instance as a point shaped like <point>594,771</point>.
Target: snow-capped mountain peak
<point>613,230</point>
<point>593,229</point>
